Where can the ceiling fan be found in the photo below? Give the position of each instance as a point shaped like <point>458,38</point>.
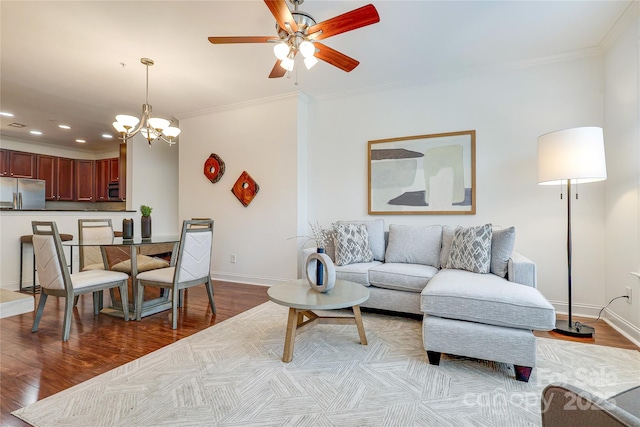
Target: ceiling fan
<point>299,32</point>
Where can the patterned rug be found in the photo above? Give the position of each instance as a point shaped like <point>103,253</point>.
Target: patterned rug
<point>231,374</point>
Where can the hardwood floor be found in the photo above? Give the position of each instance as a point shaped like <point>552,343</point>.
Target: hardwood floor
<point>36,365</point>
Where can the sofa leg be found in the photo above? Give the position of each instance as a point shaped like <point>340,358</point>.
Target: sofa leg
<point>523,373</point>
<point>434,357</point>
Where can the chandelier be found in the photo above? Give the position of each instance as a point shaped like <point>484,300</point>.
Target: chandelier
<point>152,128</point>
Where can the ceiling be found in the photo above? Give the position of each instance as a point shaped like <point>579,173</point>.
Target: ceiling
<point>78,62</point>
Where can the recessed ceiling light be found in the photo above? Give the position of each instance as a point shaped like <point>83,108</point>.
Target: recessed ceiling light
<point>3,113</point>
<point>106,135</point>
<point>64,126</point>
<point>81,141</point>
<point>36,132</point>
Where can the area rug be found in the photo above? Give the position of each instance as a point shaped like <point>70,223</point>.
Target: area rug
<point>231,374</point>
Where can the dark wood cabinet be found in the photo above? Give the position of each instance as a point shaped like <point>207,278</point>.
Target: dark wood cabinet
<point>85,179</point>
<point>102,180</point>
<point>4,162</point>
<point>58,172</point>
<point>18,164</point>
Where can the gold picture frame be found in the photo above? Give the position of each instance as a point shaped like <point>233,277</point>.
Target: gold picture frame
<point>423,175</point>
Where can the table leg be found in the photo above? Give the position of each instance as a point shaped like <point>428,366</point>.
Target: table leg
<point>358,318</point>
<point>290,338</point>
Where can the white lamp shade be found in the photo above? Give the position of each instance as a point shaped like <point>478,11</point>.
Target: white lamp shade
<point>307,49</point>
<point>159,124</point>
<point>573,154</point>
<point>171,132</point>
<point>287,64</point>
<point>149,134</point>
<point>127,121</point>
<point>310,61</point>
<point>281,50</point>
<point>118,127</point>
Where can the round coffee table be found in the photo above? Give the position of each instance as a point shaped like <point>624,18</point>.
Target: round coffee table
<point>301,299</point>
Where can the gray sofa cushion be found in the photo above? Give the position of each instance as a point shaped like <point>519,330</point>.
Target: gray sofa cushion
<point>358,273</point>
<point>486,298</point>
<point>447,238</point>
<point>401,276</point>
<point>502,243</point>
<point>375,228</point>
<point>414,244</point>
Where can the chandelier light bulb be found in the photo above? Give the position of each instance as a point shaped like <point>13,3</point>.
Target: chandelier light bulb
<point>171,132</point>
<point>126,121</point>
<point>158,123</point>
<point>119,128</point>
<point>281,50</point>
<point>307,49</point>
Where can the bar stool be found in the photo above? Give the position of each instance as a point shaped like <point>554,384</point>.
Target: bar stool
<point>28,239</point>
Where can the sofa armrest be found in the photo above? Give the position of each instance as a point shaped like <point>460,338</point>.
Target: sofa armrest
<point>564,404</point>
<point>521,269</point>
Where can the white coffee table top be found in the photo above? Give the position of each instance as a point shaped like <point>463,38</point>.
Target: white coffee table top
<point>298,294</point>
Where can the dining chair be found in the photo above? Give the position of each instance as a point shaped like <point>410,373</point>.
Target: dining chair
<point>55,279</point>
<point>192,267</point>
<point>116,258</point>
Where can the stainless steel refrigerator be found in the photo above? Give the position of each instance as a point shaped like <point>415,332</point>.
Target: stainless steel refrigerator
<point>22,193</point>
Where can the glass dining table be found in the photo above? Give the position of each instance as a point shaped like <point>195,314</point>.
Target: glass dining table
<point>118,250</point>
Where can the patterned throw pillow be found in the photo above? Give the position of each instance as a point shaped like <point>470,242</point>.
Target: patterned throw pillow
<point>471,249</point>
<point>351,244</point>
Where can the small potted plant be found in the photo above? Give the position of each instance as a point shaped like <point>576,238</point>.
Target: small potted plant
<point>145,221</point>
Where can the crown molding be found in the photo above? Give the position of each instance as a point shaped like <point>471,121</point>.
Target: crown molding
<point>246,104</point>
<point>631,13</point>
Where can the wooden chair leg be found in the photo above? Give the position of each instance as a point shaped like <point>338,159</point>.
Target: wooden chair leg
<point>124,294</point>
<point>209,287</point>
<point>138,301</point>
<point>174,308</point>
<point>66,325</point>
<point>36,321</point>
<point>96,303</point>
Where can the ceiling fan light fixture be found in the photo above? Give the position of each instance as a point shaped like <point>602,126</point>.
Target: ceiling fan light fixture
<point>281,50</point>
<point>307,49</point>
<point>287,64</point>
<point>310,62</point>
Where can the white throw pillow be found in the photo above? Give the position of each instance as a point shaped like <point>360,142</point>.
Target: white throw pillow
<point>471,249</point>
<point>351,243</point>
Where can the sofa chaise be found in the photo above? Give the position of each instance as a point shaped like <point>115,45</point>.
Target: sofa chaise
<point>477,296</point>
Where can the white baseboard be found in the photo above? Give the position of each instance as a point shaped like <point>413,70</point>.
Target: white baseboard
<point>249,280</point>
<point>629,331</point>
<point>582,310</point>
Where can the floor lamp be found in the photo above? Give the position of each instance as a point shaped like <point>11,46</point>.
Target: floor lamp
<point>571,156</point>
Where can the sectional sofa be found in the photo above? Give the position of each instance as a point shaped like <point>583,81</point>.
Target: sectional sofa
<point>477,295</point>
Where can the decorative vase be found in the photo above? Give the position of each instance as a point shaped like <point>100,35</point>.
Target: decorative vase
<point>127,228</point>
<point>145,227</point>
<point>322,261</point>
<point>319,269</point>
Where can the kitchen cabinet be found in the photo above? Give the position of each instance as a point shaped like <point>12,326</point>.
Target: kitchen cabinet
<point>59,174</point>
<point>18,164</point>
<point>4,162</point>
<point>107,178</point>
<point>84,180</point>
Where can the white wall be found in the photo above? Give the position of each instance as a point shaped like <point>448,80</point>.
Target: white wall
<point>509,109</point>
<point>622,140</point>
<point>261,138</point>
<point>152,180</point>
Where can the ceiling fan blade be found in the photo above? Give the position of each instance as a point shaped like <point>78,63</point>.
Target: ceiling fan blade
<point>335,58</point>
<point>277,71</point>
<point>281,12</point>
<point>357,18</point>
<point>240,39</point>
